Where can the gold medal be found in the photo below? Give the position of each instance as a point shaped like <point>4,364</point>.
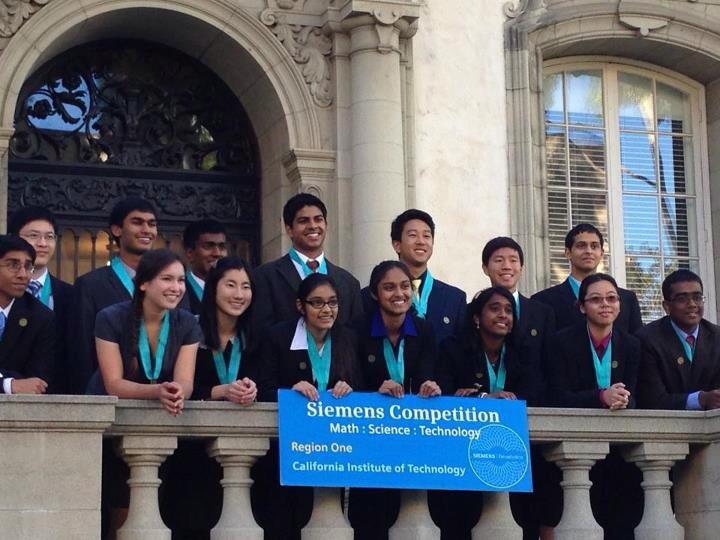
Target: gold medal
<point>680,360</point>
<point>23,322</point>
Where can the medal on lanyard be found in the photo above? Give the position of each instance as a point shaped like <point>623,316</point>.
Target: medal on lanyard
<point>194,285</point>
<point>497,380</point>
<point>153,372</point>
<point>395,366</point>
<point>322,269</point>
<point>421,302</point>
<point>117,266</point>
<point>228,373</point>
<point>320,362</point>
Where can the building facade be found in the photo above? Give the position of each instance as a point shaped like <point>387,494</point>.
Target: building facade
<point>500,118</point>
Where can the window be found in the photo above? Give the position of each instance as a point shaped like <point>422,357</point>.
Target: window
<point>622,153</point>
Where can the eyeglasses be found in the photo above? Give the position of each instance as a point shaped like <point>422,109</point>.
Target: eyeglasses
<point>35,236</point>
<point>610,299</point>
<point>317,303</point>
<point>15,266</point>
<point>685,298</point>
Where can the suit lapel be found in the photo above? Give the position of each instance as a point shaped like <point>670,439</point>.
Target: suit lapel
<point>117,285</point>
<point>523,322</point>
<point>287,270</point>
<point>676,353</point>
<point>15,325</point>
<point>700,356</point>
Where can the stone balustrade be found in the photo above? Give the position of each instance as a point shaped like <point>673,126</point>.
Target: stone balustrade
<point>50,457</point>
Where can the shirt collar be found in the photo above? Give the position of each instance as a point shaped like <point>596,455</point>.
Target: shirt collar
<point>304,258</point>
<point>574,280</point>
<point>603,343</point>
<point>130,271</point>
<point>6,310</point>
<point>299,341</point>
<point>42,278</point>
<point>682,334</point>
<point>377,327</point>
<point>516,296</point>
<point>199,280</point>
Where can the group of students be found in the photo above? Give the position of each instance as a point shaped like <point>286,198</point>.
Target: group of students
<point>146,327</point>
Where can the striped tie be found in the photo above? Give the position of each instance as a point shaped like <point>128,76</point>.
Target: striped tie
<point>34,288</point>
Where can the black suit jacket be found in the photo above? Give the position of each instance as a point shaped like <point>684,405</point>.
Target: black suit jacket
<point>190,301</point>
<point>445,311</point>
<point>460,365</point>
<point>666,374</point>
<point>572,372</point>
<point>279,367</point>
<point>419,356</point>
<point>94,291</point>
<point>62,307</point>
<point>561,299</point>
<point>532,334</point>
<point>276,284</point>
<point>206,376</point>
<point>27,347</point>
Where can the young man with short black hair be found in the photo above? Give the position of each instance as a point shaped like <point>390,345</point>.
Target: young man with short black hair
<point>205,244</point>
<point>133,226</point>
<point>413,236</point>
<point>680,367</point>
<point>276,282</point>
<point>584,249</point>
<point>38,227</point>
<point>27,327</point>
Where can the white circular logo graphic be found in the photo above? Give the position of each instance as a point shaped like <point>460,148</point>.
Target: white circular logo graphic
<point>498,456</point>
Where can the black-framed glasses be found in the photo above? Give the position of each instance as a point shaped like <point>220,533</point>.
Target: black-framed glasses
<point>318,303</point>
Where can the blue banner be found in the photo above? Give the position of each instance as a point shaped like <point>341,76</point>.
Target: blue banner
<point>373,440</point>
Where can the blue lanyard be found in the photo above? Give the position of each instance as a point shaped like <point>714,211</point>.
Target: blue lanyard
<point>395,366</point>
<point>322,269</point>
<point>575,286</point>
<point>153,374</point>
<point>320,362</point>
<point>517,307</point>
<point>421,304</point>
<point>602,365</point>
<point>46,291</point>
<point>497,380</point>
<point>228,373</point>
<point>194,285</point>
<point>119,268</point>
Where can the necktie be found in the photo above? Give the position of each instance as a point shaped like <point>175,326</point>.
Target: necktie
<point>416,284</point>
<point>313,265</point>
<point>691,341</point>
<point>2,324</point>
<point>34,288</point>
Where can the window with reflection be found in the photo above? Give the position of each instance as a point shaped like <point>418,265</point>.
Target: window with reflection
<point>621,153</point>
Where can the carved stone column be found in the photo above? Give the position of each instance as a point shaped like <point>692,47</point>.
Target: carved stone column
<point>655,461</point>
<point>414,521</point>
<point>327,521</point>
<point>236,455</point>
<point>144,454</point>
<point>576,458</point>
<point>378,163</point>
<point>5,135</point>
<point>497,520</point>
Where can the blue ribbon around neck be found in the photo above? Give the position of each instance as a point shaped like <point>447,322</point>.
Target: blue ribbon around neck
<point>46,291</point>
<point>395,365</point>
<point>194,285</point>
<point>602,365</point>
<point>119,268</point>
<point>153,372</point>
<point>228,373</point>
<point>497,380</point>
<point>322,269</point>
<point>320,362</point>
<point>421,303</point>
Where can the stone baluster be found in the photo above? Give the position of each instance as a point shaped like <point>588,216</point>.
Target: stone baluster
<point>497,520</point>
<point>414,521</point>
<point>575,459</point>
<point>236,455</point>
<point>144,454</point>
<point>655,459</point>
<point>327,521</point>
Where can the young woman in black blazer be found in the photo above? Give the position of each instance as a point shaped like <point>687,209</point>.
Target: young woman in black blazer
<point>481,363</point>
<point>595,365</point>
<point>312,355</point>
<point>397,355</point>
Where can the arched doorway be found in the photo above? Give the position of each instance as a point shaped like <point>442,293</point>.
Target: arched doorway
<point>109,119</point>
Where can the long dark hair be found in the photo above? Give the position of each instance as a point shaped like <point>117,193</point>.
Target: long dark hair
<point>475,307</point>
<point>208,309</point>
<point>378,273</point>
<point>151,264</point>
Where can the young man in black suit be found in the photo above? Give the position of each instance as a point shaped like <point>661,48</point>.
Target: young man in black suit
<point>680,367</point>
<point>584,249</point>
<point>440,304</point>
<point>276,282</point>
<point>37,226</point>
<point>133,226</point>
<point>205,244</point>
<point>27,328</point>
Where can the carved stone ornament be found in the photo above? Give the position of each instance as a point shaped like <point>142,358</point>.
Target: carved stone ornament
<point>288,4</point>
<point>310,48</point>
<point>515,8</point>
<point>643,24</point>
<point>14,13</point>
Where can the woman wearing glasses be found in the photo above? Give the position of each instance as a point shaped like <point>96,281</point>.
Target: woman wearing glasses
<point>315,357</point>
<point>397,354</point>
<point>595,365</point>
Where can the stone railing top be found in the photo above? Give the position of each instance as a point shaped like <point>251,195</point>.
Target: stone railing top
<point>56,413</point>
